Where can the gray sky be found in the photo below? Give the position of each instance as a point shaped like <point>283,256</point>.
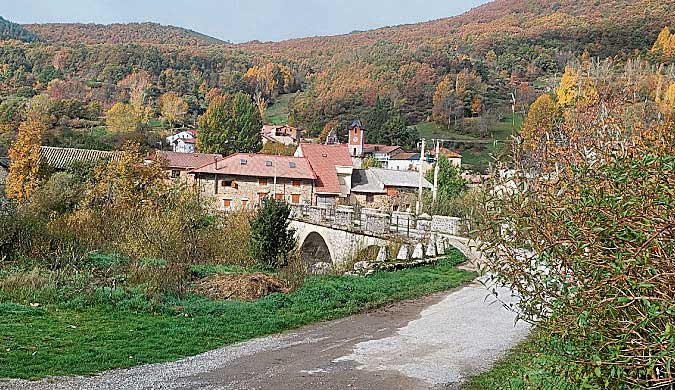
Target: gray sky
<point>241,20</point>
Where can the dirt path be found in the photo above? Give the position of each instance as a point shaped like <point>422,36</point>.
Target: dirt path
<point>435,342</point>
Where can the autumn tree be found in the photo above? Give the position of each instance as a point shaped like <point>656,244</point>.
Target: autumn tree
<point>128,182</point>
<point>25,151</point>
<point>231,124</point>
<point>665,44</point>
<point>137,83</point>
<point>173,107</point>
<point>540,120</point>
<point>568,91</point>
<point>122,118</point>
<point>667,104</point>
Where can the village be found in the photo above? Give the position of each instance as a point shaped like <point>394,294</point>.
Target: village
<point>375,176</point>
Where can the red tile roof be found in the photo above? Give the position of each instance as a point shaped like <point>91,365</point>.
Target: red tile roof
<point>405,156</point>
<point>256,165</point>
<point>185,160</point>
<point>446,152</point>
<point>324,159</point>
<point>386,149</point>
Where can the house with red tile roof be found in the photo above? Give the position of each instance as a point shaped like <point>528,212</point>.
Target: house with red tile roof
<point>242,180</point>
<point>179,164</point>
<point>333,167</point>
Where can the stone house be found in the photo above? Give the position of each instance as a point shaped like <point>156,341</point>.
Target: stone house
<point>177,164</point>
<point>333,168</point>
<point>183,142</point>
<point>242,181</point>
<point>386,189</point>
<point>282,134</point>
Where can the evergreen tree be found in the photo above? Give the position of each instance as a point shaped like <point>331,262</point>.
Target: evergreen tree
<point>271,238</point>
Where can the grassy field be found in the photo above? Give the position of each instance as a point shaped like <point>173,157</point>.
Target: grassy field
<point>277,113</point>
<point>476,152</point>
<point>523,368</point>
<point>67,339</point>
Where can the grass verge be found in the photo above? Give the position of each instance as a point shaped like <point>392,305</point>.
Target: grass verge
<point>525,367</point>
<point>60,340</point>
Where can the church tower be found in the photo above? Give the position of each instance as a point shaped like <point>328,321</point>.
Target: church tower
<point>356,139</point>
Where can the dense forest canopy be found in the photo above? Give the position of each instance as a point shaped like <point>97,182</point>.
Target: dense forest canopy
<point>9,30</point>
<point>461,73</point>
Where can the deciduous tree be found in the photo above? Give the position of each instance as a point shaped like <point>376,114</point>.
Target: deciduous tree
<point>25,151</point>
<point>173,107</point>
<point>122,118</point>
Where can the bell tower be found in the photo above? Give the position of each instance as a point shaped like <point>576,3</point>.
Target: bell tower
<point>356,139</point>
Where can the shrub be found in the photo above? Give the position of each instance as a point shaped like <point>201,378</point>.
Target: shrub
<point>271,238</point>
<point>584,232</point>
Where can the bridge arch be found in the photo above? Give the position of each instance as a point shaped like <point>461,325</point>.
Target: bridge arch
<point>314,248</point>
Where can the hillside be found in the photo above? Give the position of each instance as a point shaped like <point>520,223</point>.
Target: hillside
<point>9,30</point>
<point>604,28</point>
<point>451,78</point>
<point>137,33</point>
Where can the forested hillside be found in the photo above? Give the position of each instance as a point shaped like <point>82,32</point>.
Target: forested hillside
<point>9,30</point>
<point>453,77</point>
<point>139,33</point>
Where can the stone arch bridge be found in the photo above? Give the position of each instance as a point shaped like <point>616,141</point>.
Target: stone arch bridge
<point>337,235</point>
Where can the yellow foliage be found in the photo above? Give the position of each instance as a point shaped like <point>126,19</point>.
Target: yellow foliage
<point>173,107</point>
<point>540,120</point>
<point>665,43</point>
<point>122,118</point>
<point>568,91</point>
<point>589,95</point>
<point>128,182</point>
<point>667,104</point>
<point>25,151</point>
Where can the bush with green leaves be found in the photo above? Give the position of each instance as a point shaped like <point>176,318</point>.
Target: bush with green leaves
<point>272,240</point>
<point>584,232</point>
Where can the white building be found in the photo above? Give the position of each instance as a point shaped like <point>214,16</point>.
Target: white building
<point>183,142</point>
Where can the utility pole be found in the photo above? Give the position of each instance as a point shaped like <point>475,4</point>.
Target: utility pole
<point>436,170</point>
<point>419,195</point>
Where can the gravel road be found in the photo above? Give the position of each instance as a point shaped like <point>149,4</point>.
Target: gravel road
<point>431,343</point>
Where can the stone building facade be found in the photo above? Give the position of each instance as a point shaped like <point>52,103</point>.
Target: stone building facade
<point>242,181</point>
<point>246,192</point>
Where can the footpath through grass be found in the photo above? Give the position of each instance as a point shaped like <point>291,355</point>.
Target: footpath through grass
<point>60,340</point>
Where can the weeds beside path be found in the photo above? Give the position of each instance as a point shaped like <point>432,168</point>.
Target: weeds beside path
<point>53,340</point>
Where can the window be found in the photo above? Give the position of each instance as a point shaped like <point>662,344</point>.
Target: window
<point>244,203</point>
<point>370,198</point>
<point>291,164</point>
<point>261,196</point>
<point>296,183</point>
<point>227,203</point>
<point>268,163</point>
<point>295,199</point>
<point>243,162</point>
<point>227,183</point>
<point>262,181</point>
<point>175,173</point>
<point>279,196</point>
